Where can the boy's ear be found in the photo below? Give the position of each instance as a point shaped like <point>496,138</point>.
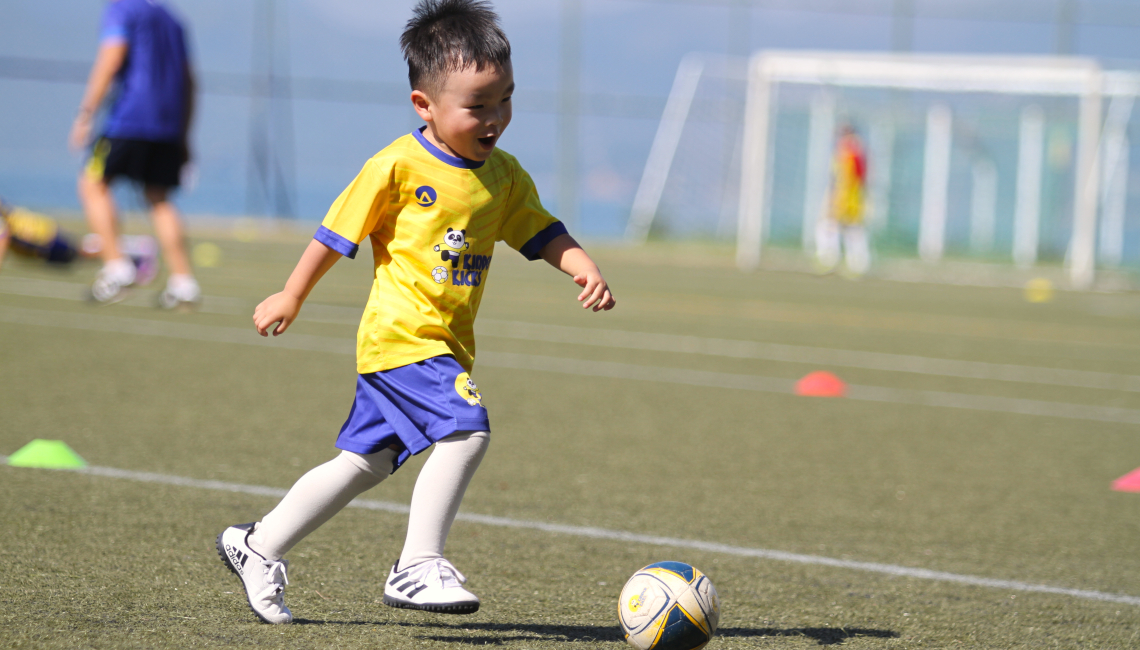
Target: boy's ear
<point>422,103</point>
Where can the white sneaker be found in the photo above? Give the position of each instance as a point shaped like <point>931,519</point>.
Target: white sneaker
<point>433,586</point>
<point>112,281</point>
<point>264,580</point>
<point>180,292</point>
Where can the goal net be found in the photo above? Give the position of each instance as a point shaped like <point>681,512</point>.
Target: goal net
<point>1004,159</point>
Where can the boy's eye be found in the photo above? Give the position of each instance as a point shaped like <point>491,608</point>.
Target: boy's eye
<point>506,99</point>
<point>475,107</point>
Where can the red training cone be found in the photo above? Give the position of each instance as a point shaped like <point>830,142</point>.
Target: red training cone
<point>1130,482</point>
<point>821,384</point>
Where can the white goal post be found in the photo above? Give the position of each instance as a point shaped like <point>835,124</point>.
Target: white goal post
<point>1099,172</point>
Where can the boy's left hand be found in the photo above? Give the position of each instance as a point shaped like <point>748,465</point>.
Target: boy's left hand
<point>595,292</point>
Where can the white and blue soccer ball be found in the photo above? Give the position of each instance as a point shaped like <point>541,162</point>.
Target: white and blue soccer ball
<point>439,274</point>
<point>668,606</point>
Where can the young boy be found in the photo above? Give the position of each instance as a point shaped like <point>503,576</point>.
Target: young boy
<point>433,203</point>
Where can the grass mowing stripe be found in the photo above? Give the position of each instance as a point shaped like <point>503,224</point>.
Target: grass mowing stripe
<point>623,536</point>
<point>992,403</point>
<point>136,297</point>
<point>625,339</point>
<point>629,340</point>
<point>737,349</point>
<point>776,385</point>
<point>609,369</point>
<point>167,329</point>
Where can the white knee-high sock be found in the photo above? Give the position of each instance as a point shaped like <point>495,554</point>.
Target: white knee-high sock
<point>316,497</point>
<point>857,248</point>
<point>827,243</point>
<point>438,492</point>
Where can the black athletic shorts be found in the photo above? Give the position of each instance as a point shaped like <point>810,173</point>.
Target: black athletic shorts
<point>154,164</point>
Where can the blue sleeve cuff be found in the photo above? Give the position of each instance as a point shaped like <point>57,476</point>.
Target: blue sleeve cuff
<point>113,35</point>
<point>532,249</point>
<point>336,242</point>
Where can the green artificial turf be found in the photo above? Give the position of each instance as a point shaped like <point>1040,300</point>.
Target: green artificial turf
<point>89,561</point>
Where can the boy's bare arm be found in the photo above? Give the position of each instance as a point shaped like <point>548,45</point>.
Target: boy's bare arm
<point>564,254</point>
<point>107,63</point>
<point>284,306</point>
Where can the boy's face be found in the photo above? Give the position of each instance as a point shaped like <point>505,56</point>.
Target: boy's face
<point>469,111</point>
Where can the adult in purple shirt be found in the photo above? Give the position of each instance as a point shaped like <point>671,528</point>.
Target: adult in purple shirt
<point>143,53</point>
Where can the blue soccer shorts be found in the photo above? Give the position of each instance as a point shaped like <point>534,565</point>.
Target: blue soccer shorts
<point>411,407</point>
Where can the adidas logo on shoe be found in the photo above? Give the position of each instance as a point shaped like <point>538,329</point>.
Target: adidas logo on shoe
<point>432,586</point>
<point>237,559</point>
<point>416,587</point>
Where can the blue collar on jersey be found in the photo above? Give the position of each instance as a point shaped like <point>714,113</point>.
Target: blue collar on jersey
<point>454,161</point>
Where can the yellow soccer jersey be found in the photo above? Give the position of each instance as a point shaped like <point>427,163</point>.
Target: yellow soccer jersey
<point>433,220</point>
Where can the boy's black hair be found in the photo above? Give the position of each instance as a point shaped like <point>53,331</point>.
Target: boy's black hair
<point>446,36</point>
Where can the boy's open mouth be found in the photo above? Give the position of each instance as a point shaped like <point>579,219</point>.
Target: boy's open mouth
<point>488,141</point>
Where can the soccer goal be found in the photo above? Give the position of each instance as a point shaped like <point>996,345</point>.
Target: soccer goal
<point>1017,159</point>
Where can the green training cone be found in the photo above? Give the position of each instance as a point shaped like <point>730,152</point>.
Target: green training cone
<point>46,454</point>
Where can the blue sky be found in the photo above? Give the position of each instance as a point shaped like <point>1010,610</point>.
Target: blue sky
<point>628,48</point>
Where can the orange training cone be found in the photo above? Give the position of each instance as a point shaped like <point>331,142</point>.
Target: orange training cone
<point>1130,482</point>
<point>821,384</point>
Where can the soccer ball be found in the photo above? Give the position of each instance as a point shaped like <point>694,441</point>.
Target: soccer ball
<point>439,274</point>
<point>668,606</point>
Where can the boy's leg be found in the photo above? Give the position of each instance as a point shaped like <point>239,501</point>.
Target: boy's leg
<point>99,208</point>
<point>826,245</point>
<point>181,287</point>
<point>254,551</point>
<point>422,578</point>
<point>118,272</point>
<point>316,497</point>
<point>168,229</point>
<point>857,249</point>
<point>439,490</point>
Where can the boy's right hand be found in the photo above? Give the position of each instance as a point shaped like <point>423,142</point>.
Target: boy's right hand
<point>279,308</point>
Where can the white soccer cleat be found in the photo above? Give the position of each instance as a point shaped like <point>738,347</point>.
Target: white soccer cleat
<point>432,586</point>
<point>180,293</point>
<point>112,282</point>
<point>264,580</point>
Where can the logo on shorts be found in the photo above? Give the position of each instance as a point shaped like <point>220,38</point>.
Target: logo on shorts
<point>468,390</point>
<point>425,196</point>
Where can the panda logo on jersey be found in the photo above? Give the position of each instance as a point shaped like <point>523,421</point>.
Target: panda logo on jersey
<point>454,242</point>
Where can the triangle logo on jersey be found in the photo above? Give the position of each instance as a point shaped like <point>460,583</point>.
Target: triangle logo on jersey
<point>425,196</point>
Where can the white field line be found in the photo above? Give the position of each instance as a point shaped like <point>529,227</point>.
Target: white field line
<point>804,354</point>
<point>623,536</point>
<point>648,341</point>
<point>218,334</point>
<point>784,386</point>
